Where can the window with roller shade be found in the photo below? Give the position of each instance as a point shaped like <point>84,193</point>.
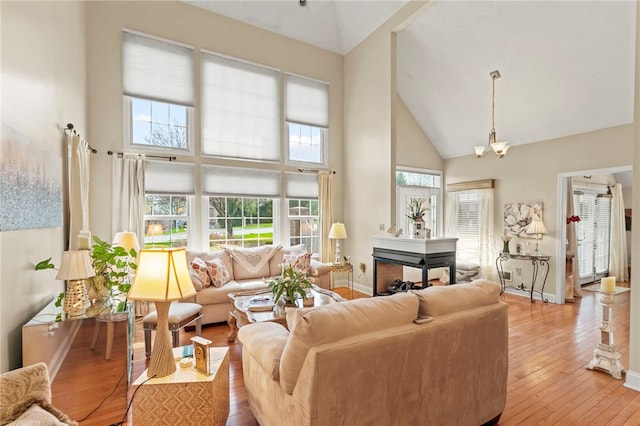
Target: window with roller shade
<point>158,91</point>
<point>169,192</point>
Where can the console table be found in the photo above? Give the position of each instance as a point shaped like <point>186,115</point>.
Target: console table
<point>536,262</point>
<point>390,254</point>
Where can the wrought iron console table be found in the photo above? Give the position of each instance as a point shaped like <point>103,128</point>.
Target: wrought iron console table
<point>536,262</point>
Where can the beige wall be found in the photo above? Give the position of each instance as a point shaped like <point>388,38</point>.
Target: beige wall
<point>413,147</point>
<point>529,173</point>
<point>192,26</point>
<point>370,151</point>
<point>43,88</point>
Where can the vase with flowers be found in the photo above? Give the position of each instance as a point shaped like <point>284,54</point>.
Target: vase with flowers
<point>290,283</point>
<point>416,208</point>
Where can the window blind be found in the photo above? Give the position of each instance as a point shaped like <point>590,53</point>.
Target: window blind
<point>307,101</point>
<point>240,109</point>
<point>301,185</point>
<point>468,232</point>
<point>158,70</point>
<point>219,180</point>
<point>161,177</point>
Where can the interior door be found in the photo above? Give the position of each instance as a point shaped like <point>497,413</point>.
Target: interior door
<point>593,232</point>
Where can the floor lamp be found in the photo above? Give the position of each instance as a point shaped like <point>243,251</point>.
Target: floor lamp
<point>162,276</point>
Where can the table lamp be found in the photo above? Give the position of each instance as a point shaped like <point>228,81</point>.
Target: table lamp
<point>162,276</point>
<point>75,268</point>
<point>537,228</point>
<point>126,240</point>
<point>338,232</point>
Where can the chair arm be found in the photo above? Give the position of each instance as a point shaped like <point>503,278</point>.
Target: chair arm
<point>319,268</point>
<point>265,341</point>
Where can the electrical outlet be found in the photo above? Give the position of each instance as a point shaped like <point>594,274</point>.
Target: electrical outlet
<point>363,267</point>
<point>518,272</point>
<point>381,227</point>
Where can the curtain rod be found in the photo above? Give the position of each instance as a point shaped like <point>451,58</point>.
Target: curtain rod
<point>162,157</point>
<point>301,170</point>
<point>71,129</point>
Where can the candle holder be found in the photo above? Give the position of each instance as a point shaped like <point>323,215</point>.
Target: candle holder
<point>605,356</point>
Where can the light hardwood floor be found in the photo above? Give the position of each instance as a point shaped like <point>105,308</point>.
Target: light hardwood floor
<point>548,382</point>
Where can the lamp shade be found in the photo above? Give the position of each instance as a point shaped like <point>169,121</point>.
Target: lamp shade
<point>154,229</point>
<point>76,265</point>
<point>338,231</point>
<point>162,275</point>
<point>126,240</point>
<point>536,227</point>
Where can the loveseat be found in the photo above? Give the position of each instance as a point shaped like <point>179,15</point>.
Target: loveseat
<point>437,356</point>
<point>216,274</point>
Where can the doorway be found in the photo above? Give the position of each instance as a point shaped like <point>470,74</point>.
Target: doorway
<point>623,175</point>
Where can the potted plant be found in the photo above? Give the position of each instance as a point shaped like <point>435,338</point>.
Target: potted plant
<point>416,208</point>
<point>112,265</point>
<point>290,283</point>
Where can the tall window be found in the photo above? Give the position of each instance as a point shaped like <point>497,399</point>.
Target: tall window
<point>307,118</point>
<point>158,89</point>
<point>417,184</point>
<point>303,224</point>
<point>470,219</point>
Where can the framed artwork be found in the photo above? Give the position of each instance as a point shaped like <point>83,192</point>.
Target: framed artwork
<point>518,216</point>
<point>30,184</point>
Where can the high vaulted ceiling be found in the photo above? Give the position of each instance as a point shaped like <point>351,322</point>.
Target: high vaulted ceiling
<point>567,66</point>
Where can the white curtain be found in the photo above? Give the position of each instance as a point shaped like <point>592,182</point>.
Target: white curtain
<point>618,265</point>
<point>128,195</point>
<point>79,174</point>
<point>486,244</point>
<point>572,281</point>
<point>325,202</point>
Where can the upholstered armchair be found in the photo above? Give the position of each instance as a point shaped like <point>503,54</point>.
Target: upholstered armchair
<point>25,398</point>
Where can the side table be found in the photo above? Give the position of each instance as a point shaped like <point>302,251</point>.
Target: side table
<point>343,268</point>
<point>186,397</point>
<point>536,263</point>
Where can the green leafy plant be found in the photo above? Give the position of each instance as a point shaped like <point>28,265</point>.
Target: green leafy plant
<point>290,283</point>
<point>416,207</point>
<point>112,265</point>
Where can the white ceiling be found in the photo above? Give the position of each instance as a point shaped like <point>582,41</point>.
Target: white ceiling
<point>567,66</point>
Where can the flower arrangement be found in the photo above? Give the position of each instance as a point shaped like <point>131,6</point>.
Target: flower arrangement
<point>416,207</point>
<point>290,283</point>
<point>573,218</point>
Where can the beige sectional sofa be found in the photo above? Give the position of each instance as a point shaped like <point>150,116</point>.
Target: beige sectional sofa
<point>245,269</point>
<point>437,356</point>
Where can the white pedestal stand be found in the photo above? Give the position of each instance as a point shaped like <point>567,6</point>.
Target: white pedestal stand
<point>605,356</point>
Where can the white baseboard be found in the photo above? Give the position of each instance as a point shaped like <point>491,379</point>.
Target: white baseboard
<point>633,380</point>
<point>525,293</point>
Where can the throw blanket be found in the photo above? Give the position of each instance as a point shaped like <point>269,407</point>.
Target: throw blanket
<point>253,260</point>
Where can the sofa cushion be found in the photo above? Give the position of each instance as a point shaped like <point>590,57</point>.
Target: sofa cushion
<point>218,272</point>
<point>266,341</point>
<point>36,415</point>
<point>299,262</point>
<point>251,262</point>
<point>199,272</point>
<point>443,300</point>
<point>213,295</point>
<point>206,256</point>
<point>275,264</point>
<point>315,326</point>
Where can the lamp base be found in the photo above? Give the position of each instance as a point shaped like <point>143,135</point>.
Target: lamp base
<point>76,298</point>
<point>162,362</point>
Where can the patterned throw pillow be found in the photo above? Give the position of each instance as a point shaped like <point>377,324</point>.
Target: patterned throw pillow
<point>218,272</point>
<point>300,262</point>
<point>201,271</point>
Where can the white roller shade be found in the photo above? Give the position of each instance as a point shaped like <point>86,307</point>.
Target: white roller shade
<point>240,109</point>
<point>168,177</point>
<point>158,70</point>
<point>217,180</point>
<point>301,185</point>
<point>307,101</point>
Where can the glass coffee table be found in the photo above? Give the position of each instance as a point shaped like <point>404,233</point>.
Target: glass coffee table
<point>257,306</point>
